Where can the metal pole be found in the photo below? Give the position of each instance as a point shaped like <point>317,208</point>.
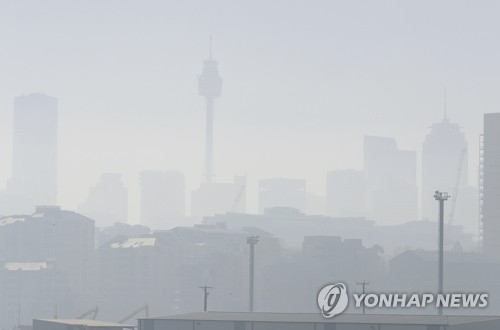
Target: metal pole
<point>441,197</point>
<point>252,240</point>
<point>205,301</point>
<point>441,243</point>
<point>441,247</point>
<point>364,284</point>
<point>205,296</point>
<point>252,266</point>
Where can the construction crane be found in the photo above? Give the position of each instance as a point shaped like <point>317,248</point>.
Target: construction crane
<point>92,311</point>
<point>237,199</point>
<point>457,186</point>
<point>144,308</point>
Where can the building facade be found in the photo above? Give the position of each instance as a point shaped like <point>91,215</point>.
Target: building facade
<point>163,196</point>
<point>346,193</point>
<point>282,193</point>
<point>392,195</point>
<point>491,185</point>
<point>34,166</point>
<point>444,158</point>
<point>107,202</point>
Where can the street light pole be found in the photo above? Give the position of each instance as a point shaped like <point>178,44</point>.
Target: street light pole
<point>363,284</point>
<point>441,197</point>
<point>205,296</point>
<point>252,240</point>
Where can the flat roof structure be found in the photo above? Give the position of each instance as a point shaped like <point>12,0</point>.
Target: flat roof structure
<point>315,321</point>
<point>78,324</point>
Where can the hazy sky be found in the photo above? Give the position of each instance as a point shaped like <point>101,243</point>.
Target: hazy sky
<point>303,81</point>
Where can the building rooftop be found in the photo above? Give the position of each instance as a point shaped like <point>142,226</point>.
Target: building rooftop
<point>32,266</point>
<point>10,220</point>
<point>134,242</point>
<point>394,319</point>
<point>449,256</point>
<point>87,323</point>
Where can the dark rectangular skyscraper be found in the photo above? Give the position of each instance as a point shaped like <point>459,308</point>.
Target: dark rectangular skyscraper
<point>35,149</point>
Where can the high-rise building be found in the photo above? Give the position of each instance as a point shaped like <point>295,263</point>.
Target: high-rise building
<point>34,168</point>
<point>392,196</point>
<point>218,198</point>
<point>491,184</point>
<point>346,193</point>
<point>282,193</point>
<point>163,196</point>
<point>107,202</point>
<point>444,158</point>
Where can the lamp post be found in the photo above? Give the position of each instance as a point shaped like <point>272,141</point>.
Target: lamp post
<point>441,197</point>
<point>205,296</point>
<point>252,240</point>
<point>363,285</point>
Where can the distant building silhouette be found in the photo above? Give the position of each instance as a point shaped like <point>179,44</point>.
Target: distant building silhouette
<point>50,253</point>
<point>491,184</point>
<point>35,287</point>
<point>217,198</point>
<point>315,204</point>
<point>34,166</point>
<point>291,226</point>
<point>282,193</point>
<point>132,271</point>
<point>444,149</point>
<point>391,181</point>
<point>346,193</point>
<point>107,202</point>
<point>163,196</point>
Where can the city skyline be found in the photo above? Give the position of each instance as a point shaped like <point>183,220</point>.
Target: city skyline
<point>151,91</point>
<point>323,194</point>
<point>274,164</point>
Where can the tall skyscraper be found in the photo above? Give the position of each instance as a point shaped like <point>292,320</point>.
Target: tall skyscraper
<point>34,165</point>
<point>107,202</point>
<point>491,184</point>
<point>390,180</point>
<point>282,193</point>
<point>210,87</point>
<point>163,196</point>
<point>444,156</point>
